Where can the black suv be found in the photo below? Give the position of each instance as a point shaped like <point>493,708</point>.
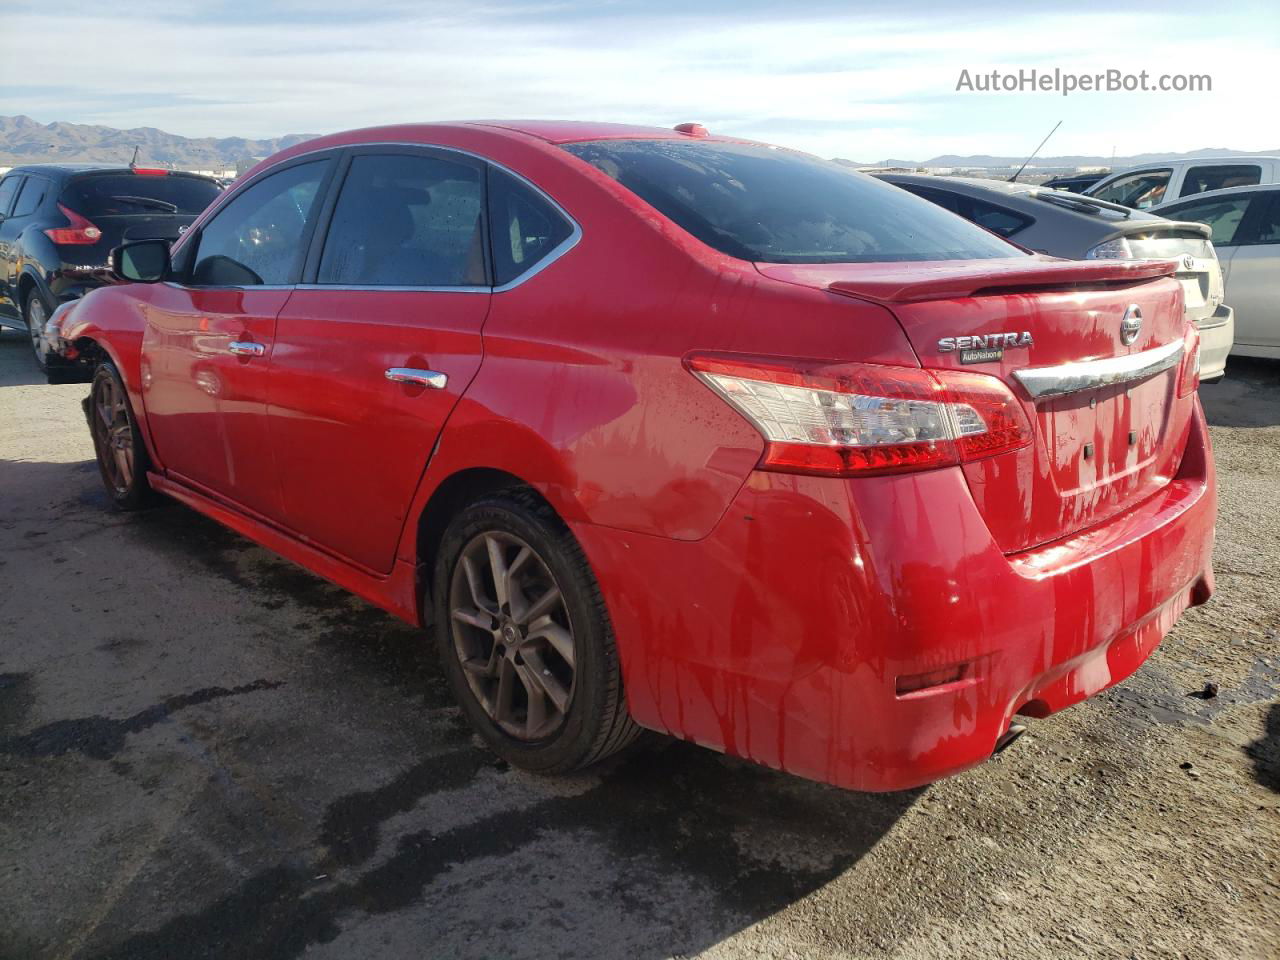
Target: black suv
<point>59,223</point>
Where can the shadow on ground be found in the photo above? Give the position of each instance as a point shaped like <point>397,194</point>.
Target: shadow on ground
<point>1249,395</point>
<point>666,851</point>
<point>15,349</point>
<point>1265,751</point>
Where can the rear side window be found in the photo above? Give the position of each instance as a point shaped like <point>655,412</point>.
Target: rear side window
<point>31,197</point>
<point>1219,177</point>
<point>772,205</point>
<point>997,219</point>
<point>405,220</point>
<point>133,194</point>
<point>524,225</point>
<point>1136,190</point>
<point>1269,223</point>
<point>257,238</point>
<point>8,187</point>
<point>1222,215</point>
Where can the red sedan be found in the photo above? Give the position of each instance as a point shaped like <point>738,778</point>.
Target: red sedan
<point>661,429</point>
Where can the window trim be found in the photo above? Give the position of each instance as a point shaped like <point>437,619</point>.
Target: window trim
<point>229,196</point>
<point>20,177</point>
<point>27,181</point>
<point>1186,177</point>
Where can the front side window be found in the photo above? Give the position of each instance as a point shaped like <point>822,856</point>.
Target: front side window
<point>1137,190</point>
<point>1220,176</point>
<point>257,238</point>
<point>30,198</point>
<point>771,205</point>
<point>1222,215</point>
<point>525,227</point>
<point>8,189</point>
<point>406,220</point>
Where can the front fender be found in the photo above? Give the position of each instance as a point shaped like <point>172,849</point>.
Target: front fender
<point>113,321</point>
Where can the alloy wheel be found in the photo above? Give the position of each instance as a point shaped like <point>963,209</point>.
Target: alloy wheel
<point>113,433</point>
<point>512,635</point>
<point>36,318</point>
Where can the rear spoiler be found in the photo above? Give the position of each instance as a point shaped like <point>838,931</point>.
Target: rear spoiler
<point>950,280</point>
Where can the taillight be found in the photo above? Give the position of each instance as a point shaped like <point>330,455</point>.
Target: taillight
<point>863,418</point>
<point>79,232</point>
<point>1189,378</point>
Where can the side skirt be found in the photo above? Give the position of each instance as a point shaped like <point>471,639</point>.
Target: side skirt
<point>395,593</point>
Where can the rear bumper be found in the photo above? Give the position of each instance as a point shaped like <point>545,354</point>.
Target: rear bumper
<point>792,634</point>
<point>1217,335</point>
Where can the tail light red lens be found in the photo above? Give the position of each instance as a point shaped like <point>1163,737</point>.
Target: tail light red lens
<point>79,231</point>
<point>1189,378</point>
<point>861,419</point>
<point>150,171</point>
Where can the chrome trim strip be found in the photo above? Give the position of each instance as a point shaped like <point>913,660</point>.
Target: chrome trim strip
<point>556,252</point>
<point>1090,374</point>
<point>422,378</point>
<point>374,288</point>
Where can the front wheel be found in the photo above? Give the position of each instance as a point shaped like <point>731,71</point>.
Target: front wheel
<point>525,639</point>
<point>122,455</point>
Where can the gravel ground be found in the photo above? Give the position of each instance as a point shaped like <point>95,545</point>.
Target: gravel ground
<point>206,752</point>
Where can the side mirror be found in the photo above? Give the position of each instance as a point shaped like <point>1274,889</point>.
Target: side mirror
<point>143,261</point>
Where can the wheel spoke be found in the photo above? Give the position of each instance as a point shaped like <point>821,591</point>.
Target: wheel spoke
<point>536,715</point>
<point>477,618</point>
<point>498,572</point>
<point>541,607</point>
<point>104,414</point>
<point>515,595</point>
<point>503,696</point>
<point>124,463</point>
<point>556,635</point>
<point>473,583</point>
<point>540,681</point>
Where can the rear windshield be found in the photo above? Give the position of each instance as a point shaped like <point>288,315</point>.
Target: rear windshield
<point>129,194</point>
<point>771,205</point>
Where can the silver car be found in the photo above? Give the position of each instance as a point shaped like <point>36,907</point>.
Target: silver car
<point>1246,230</point>
<point>1078,227</point>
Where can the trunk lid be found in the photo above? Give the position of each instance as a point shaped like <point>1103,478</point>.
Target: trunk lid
<point>1189,246</point>
<point>1098,451</point>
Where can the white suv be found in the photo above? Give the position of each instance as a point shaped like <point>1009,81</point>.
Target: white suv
<point>1150,184</point>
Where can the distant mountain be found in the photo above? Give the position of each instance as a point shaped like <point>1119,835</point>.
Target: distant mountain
<point>986,160</point>
<point>23,140</point>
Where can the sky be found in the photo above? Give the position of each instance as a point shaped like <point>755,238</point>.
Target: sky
<point>864,81</point>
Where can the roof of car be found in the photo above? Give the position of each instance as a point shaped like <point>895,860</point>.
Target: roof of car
<point>573,131</point>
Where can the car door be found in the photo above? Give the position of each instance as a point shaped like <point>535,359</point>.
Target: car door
<point>207,344</point>
<point>1253,282</point>
<point>372,353</point>
<point>10,308</point>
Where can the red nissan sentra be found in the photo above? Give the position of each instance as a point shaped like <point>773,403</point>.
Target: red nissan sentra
<point>662,429</point>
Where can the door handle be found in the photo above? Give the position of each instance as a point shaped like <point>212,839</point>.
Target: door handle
<point>246,348</point>
<point>423,378</point>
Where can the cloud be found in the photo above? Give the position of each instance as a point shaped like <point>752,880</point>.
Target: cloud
<point>867,84</point>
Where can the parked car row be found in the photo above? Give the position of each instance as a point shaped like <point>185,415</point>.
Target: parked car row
<point>1084,228</point>
<point>59,223</point>
<point>669,430</point>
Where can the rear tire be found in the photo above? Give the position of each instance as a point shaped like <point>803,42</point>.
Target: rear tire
<point>532,663</point>
<point>36,313</point>
<point>122,455</point>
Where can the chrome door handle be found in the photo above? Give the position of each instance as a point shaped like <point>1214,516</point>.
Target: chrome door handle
<point>246,348</point>
<point>423,378</point>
